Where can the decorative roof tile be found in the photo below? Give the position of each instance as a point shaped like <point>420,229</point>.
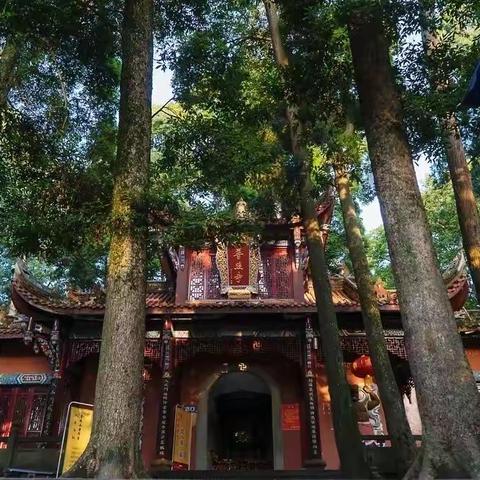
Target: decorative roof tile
<point>160,297</point>
<point>10,331</point>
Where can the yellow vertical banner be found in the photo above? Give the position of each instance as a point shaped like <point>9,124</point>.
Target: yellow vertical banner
<point>79,428</point>
<point>182,437</point>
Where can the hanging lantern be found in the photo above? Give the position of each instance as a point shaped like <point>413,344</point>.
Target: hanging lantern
<point>362,367</point>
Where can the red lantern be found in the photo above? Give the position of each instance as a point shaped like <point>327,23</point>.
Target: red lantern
<point>362,367</point>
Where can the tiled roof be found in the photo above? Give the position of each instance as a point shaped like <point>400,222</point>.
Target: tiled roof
<point>161,299</point>
<point>158,296</point>
<point>10,331</point>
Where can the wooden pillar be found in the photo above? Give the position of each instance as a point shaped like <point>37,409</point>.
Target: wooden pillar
<point>164,437</point>
<point>52,393</point>
<point>57,358</point>
<point>11,447</point>
<point>314,459</point>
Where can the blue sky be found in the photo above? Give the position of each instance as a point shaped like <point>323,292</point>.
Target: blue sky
<point>162,88</point>
<point>162,91</point>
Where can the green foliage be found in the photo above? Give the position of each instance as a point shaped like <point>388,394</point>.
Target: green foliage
<point>58,132</point>
<point>6,266</point>
<point>439,204</point>
<point>434,84</point>
<point>224,136</point>
<point>225,140</point>
<point>336,252</point>
<point>378,256</point>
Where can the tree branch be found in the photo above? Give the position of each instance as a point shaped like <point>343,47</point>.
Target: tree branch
<point>162,107</point>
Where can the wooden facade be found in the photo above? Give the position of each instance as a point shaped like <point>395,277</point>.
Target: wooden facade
<point>244,359</point>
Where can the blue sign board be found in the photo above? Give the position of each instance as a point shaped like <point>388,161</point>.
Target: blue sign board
<point>25,378</point>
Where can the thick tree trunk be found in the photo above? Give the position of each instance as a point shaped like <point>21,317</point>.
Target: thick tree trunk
<point>465,202</point>
<point>114,448</point>
<point>447,395</point>
<point>8,64</point>
<point>397,423</point>
<point>347,435</point>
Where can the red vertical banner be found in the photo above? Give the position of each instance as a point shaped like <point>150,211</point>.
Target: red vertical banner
<point>238,258</point>
<point>290,417</point>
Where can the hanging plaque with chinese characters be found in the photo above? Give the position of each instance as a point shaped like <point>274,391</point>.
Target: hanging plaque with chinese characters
<point>238,266</point>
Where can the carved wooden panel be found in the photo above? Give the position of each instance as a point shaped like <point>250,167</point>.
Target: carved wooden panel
<point>80,349</point>
<point>273,273</point>
<point>37,414</point>
<point>204,276</point>
<point>277,280</point>
<point>23,407</point>
<point>238,347</point>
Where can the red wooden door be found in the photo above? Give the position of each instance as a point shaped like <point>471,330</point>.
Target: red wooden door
<point>24,407</point>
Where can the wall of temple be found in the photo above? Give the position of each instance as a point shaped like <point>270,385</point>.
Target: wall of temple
<point>86,388</point>
<point>81,388</point>
<point>18,358</point>
<point>327,436</point>
<point>473,356</point>
<point>151,416</point>
<point>191,384</point>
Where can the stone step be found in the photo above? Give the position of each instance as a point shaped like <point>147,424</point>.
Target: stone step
<point>251,475</point>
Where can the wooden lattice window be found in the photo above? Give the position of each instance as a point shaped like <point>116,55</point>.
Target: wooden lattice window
<point>24,407</point>
<point>276,281</point>
<point>204,276</point>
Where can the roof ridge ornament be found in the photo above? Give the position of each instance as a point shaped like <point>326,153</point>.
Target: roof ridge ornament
<point>241,209</point>
<point>457,266</point>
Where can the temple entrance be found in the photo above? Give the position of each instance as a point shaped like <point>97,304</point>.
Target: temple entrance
<point>240,423</point>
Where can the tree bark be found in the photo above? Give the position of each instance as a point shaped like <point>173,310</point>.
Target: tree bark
<point>465,202</point>
<point>8,64</point>
<point>347,435</point>
<point>114,448</point>
<point>446,391</point>
<point>397,423</point>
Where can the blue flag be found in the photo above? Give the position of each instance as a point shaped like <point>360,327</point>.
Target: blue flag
<point>472,98</point>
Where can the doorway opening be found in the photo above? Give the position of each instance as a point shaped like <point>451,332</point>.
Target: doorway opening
<point>240,433</point>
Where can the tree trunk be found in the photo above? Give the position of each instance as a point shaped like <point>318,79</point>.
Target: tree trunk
<point>114,448</point>
<point>8,64</point>
<point>397,423</point>
<point>465,202</point>
<point>447,395</point>
<point>347,435</point>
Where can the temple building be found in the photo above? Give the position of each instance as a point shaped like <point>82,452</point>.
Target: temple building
<point>234,377</point>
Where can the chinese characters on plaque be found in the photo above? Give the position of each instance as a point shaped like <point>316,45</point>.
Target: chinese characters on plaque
<point>79,428</point>
<point>238,265</point>
<point>185,416</point>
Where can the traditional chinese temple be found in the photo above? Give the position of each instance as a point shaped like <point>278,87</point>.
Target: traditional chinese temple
<point>234,377</point>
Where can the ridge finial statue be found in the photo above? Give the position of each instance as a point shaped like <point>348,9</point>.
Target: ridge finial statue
<point>241,208</point>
